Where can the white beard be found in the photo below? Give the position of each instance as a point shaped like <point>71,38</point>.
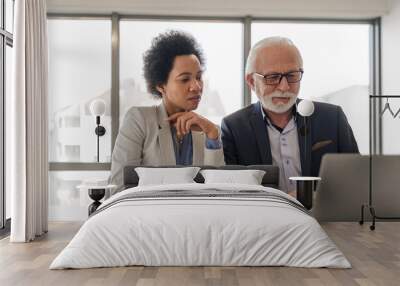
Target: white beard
<point>280,107</point>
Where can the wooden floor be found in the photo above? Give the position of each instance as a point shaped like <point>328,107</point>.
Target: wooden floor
<point>375,256</point>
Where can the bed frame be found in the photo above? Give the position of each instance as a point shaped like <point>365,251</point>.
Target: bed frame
<point>270,179</point>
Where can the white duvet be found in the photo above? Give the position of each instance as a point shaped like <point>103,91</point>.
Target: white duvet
<point>182,231</point>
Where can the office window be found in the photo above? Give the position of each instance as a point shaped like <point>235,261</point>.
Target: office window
<point>79,73</point>
<point>336,64</point>
<point>223,78</point>
<point>8,82</point>
<point>6,43</point>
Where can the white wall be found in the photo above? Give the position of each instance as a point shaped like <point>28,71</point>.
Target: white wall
<point>391,76</point>
<point>390,50</point>
<point>261,8</point>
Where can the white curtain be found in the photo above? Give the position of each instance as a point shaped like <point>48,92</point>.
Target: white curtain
<point>27,144</point>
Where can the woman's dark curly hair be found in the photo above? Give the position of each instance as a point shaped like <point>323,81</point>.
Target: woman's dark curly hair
<point>159,59</point>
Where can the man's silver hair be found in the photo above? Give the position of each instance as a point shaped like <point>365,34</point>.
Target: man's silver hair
<point>267,42</point>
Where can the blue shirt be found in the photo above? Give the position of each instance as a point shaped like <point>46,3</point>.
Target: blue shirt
<point>184,148</point>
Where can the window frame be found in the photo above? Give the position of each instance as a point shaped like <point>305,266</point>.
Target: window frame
<point>6,39</point>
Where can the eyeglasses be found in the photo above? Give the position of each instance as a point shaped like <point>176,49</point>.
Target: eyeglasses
<point>275,78</point>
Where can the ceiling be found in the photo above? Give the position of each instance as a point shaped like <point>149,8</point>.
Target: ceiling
<point>355,9</point>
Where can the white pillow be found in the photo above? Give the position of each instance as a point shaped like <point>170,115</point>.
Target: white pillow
<point>248,177</point>
<point>165,176</point>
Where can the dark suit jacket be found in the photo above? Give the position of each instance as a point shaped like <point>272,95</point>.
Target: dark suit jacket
<point>246,142</point>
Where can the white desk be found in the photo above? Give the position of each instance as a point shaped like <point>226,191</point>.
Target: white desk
<point>96,193</point>
<point>305,188</point>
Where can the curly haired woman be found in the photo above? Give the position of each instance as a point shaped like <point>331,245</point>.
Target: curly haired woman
<point>170,133</point>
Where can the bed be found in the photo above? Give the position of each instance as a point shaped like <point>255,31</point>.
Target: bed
<point>201,224</point>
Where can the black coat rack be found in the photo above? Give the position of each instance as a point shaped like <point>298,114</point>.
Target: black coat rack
<point>370,205</point>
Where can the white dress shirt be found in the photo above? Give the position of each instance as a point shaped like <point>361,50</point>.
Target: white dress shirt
<point>285,152</point>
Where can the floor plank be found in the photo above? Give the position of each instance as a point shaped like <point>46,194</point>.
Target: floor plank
<point>374,255</point>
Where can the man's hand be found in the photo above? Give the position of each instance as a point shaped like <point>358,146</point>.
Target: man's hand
<point>186,121</point>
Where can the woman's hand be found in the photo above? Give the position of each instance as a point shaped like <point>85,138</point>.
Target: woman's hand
<point>186,121</point>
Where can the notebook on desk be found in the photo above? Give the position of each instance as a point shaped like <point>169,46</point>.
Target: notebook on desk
<point>345,186</point>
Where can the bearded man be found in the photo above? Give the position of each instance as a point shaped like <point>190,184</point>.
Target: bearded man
<point>271,131</point>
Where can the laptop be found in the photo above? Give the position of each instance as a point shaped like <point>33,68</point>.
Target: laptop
<point>345,187</point>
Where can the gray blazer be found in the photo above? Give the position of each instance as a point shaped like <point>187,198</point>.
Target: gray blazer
<point>246,141</point>
<point>145,139</point>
